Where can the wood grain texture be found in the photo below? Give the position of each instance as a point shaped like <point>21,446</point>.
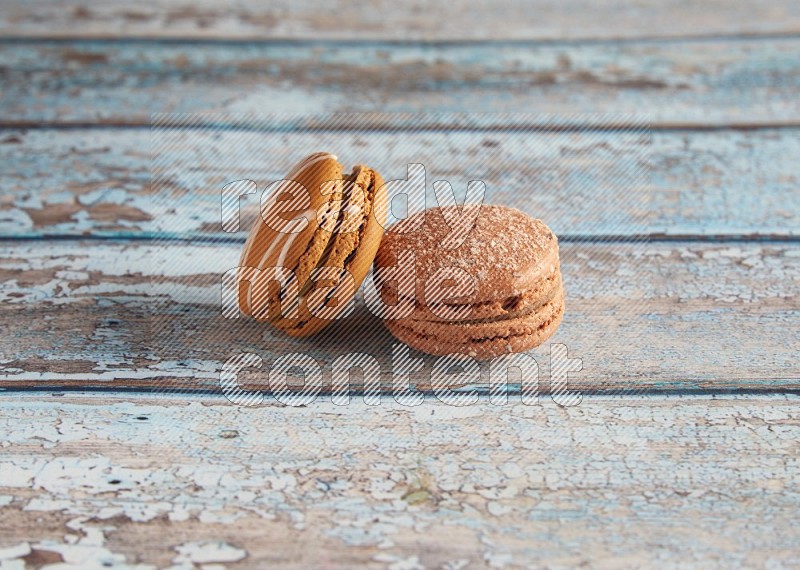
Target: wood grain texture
<point>384,19</point>
<point>710,82</point>
<point>143,481</point>
<point>98,181</point>
<point>663,316</point>
<point>138,482</point>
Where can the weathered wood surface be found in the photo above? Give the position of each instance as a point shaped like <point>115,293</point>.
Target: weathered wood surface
<point>385,19</point>
<point>663,316</point>
<point>622,480</point>
<point>690,482</point>
<point>98,181</point>
<point>718,82</point>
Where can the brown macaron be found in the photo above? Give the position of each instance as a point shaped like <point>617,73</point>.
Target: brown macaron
<point>313,245</point>
<point>497,292</point>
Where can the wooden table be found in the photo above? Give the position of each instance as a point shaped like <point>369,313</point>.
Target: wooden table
<point>118,449</point>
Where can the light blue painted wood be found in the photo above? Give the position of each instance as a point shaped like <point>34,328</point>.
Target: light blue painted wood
<point>468,20</point>
<point>698,82</point>
<point>660,317</point>
<point>97,181</point>
<point>674,317</point>
<point>599,482</point>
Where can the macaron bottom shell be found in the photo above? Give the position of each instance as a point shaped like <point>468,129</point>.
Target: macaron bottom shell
<point>481,340</point>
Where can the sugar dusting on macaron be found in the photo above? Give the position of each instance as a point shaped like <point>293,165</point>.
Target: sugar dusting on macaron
<point>515,301</point>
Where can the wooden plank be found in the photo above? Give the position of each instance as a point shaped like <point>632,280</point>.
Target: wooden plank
<point>383,19</point>
<point>664,316</point>
<point>690,482</point>
<point>709,82</point>
<point>98,181</point>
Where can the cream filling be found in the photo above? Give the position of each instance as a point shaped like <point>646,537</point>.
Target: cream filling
<point>558,312</point>
<point>369,194</point>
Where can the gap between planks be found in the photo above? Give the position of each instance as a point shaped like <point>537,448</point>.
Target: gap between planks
<point>390,42</point>
<point>380,127</point>
<point>85,390</point>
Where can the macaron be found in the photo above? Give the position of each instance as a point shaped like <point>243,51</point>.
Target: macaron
<point>313,245</point>
<point>498,292</point>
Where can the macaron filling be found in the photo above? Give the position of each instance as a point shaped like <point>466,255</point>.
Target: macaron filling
<point>320,233</point>
<point>522,324</point>
<point>448,341</point>
<point>345,235</point>
<point>486,310</point>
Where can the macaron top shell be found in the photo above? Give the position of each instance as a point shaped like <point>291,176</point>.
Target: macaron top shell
<point>507,253</point>
<point>289,218</point>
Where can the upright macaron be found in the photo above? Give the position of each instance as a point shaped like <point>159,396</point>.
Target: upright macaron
<point>499,291</point>
<point>313,245</point>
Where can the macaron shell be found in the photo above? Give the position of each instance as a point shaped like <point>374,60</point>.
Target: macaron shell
<point>271,245</point>
<point>332,237</point>
<point>507,307</point>
<point>518,339</point>
<point>352,245</point>
<point>513,302</point>
<point>265,246</point>
<point>502,263</point>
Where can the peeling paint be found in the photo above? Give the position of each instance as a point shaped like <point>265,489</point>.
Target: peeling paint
<point>697,183</point>
<point>206,552</point>
<point>490,487</point>
<point>123,303</point>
